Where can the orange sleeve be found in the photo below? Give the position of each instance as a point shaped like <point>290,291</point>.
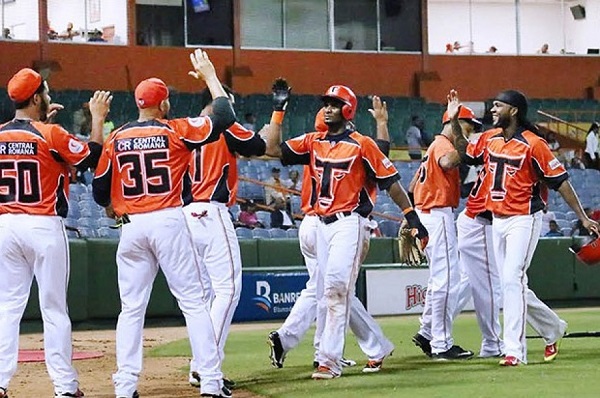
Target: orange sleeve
<point>379,167</point>
<point>67,146</point>
<point>297,150</point>
<point>549,168</point>
<point>194,131</point>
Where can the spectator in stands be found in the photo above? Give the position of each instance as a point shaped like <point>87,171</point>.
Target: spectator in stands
<point>295,182</point>
<point>579,229</point>
<point>552,142</point>
<point>492,50</point>
<point>547,217</point>
<point>69,33</point>
<point>6,34</point>
<point>280,217</point>
<point>456,46</point>
<point>272,192</point>
<point>554,230</point>
<point>544,49</point>
<point>250,121</point>
<point>577,162</point>
<point>592,155</point>
<point>248,217</point>
<point>141,39</point>
<point>414,138</point>
<point>96,36</point>
<point>82,120</point>
<point>52,34</point>
<point>449,48</point>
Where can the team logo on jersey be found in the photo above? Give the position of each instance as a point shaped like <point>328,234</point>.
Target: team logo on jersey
<point>197,121</point>
<point>387,163</point>
<point>276,302</point>
<point>415,296</point>
<point>142,143</point>
<point>76,146</point>
<point>18,148</point>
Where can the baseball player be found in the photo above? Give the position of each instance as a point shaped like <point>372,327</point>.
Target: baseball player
<point>34,164</point>
<point>342,164</point>
<point>517,161</point>
<point>140,175</point>
<point>214,182</point>
<point>370,337</point>
<point>436,188</point>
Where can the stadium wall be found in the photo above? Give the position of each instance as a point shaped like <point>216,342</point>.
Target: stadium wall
<point>478,77</point>
<point>274,275</point>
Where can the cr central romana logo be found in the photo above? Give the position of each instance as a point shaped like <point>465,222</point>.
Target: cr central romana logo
<point>263,296</point>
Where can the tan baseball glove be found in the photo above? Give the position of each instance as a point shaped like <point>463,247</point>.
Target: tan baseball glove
<point>410,247</point>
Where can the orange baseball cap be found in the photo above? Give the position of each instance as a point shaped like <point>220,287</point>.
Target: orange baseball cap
<point>150,92</point>
<point>23,85</point>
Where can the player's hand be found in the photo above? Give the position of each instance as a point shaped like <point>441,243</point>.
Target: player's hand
<point>591,226</point>
<point>110,212</point>
<point>100,104</point>
<point>379,111</point>
<point>415,223</point>
<point>52,111</point>
<point>281,94</point>
<point>203,67</point>
<point>453,105</point>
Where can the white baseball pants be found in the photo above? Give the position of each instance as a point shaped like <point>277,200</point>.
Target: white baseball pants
<point>476,256</point>
<point>515,239</point>
<point>444,278</point>
<point>152,240</point>
<point>220,264</point>
<point>37,246</point>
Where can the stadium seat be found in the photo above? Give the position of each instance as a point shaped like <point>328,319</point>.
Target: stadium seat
<point>106,222</point>
<point>87,222</point>
<point>389,228</point>
<point>86,232</point>
<point>264,217</point>
<point>243,233</point>
<point>278,233</point>
<point>109,233</point>
<point>292,233</point>
<point>261,233</point>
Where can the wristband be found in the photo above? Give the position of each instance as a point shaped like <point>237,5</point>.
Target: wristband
<point>277,117</point>
<point>407,210</point>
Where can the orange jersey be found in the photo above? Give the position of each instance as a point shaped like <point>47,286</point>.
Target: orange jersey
<point>435,186</point>
<point>343,169</point>
<point>34,172</point>
<point>142,164</point>
<point>516,169</point>
<point>477,198</point>
<point>213,167</point>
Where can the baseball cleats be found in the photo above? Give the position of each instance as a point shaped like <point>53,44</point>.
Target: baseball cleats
<point>509,361</point>
<point>77,393</point>
<point>455,352</point>
<point>346,363</point>
<point>3,392</point>
<point>373,367</point>
<point>277,353</point>
<point>324,373</point>
<point>194,379</point>
<point>225,393</point>
<point>423,343</point>
<point>551,350</point>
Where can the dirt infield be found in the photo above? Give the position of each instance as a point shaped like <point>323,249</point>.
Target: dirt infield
<point>161,378</point>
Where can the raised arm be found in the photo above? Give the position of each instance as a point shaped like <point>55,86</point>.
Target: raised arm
<point>568,193</point>
<point>281,97</point>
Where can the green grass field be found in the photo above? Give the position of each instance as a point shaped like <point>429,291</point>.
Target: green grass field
<point>408,373</point>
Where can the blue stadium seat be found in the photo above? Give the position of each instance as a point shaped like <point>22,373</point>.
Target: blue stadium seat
<point>106,222</point>
<point>108,233</point>
<point>261,233</point>
<point>278,233</point>
<point>292,233</point>
<point>243,233</point>
<point>264,217</point>
<point>86,232</point>
<point>87,222</point>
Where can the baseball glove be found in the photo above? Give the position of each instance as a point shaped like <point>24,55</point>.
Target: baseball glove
<point>410,247</point>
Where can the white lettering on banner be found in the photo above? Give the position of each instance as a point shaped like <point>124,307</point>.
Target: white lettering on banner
<point>263,285</point>
<point>276,302</point>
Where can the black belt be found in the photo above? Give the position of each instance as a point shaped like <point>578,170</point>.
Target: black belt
<point>334,217</point>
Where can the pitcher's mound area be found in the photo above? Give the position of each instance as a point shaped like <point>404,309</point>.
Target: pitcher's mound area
<point>38,355</point>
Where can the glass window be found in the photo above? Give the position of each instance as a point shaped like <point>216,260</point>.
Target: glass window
<point>351,32</point>
<point>306,24</point>
<point>209,22</point>
<point>262,23</point>
<point>400,25</point>
<point>19,19</point>
<point>89,21</point>
<point>160,23</point>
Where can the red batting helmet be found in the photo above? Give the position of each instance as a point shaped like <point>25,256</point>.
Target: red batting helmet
<point>465,113</point>
<point>588,253</point>
<point>347,96</point>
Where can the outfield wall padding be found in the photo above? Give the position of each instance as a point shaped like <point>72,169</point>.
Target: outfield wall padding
<point>93,292</point>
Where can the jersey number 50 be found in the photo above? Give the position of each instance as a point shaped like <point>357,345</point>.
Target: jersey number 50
<point>20,182</point>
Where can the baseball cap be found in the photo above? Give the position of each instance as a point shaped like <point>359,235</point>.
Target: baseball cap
<point>514,98</point>
<point>23,85</point>
<point>465,113</point>
<point>150,92</point>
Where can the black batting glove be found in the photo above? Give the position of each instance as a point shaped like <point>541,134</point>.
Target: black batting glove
<point>281,94</point>
<point>414,222</point>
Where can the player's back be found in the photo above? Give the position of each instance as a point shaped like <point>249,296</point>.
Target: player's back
<point>149,160</point>
<point>34,180</point>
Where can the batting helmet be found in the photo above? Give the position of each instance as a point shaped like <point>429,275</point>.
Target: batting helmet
<point>465,113</point>
<point>347,96</point>
<point>588,253</point>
